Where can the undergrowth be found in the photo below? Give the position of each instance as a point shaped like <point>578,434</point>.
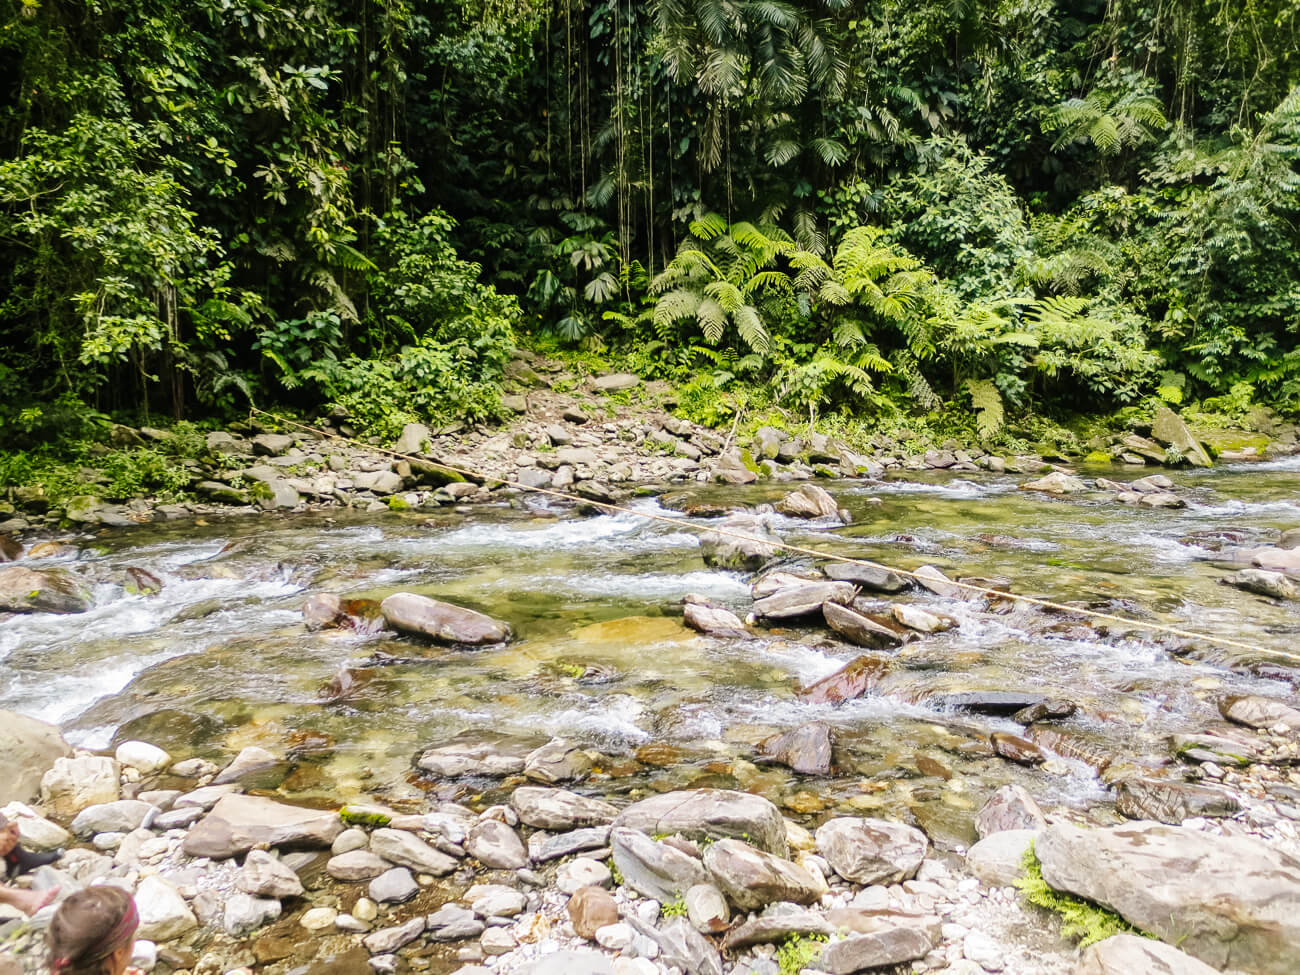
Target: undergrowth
<point>1081,920</point>
<point>798,952</point>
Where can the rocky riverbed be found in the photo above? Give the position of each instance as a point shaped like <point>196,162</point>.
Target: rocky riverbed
<point>524,735</point>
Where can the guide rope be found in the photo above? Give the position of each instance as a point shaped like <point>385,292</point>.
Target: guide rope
<point>679,523</point>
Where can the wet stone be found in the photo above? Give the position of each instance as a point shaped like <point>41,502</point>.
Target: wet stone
<point>452,923</point>
<point>806,749</point>
<point>394,886</point>
<point>1171,802</point>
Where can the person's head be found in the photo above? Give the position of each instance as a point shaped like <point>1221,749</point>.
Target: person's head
<point>8,835</point>
<point>93,932</point>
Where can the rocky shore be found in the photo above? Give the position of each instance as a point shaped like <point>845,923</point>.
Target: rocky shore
<point>587,436</point>
<point>558,881</point>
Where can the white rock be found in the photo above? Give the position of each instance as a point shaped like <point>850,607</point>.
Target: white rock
<point>582,872</point>
<point>245,913</point>
<point>365,909</point>
<point>635,966</point>
<point>143,756</point>
<point>349,840</point>
<point>499,901</point>
<point>35,832</point>
<point>983,950</point>
<point>318,918</point>
<point>163,912</point>
<point>497,941</point>
<point>615,937</point>
<point>144,955</point>
<point>75,783</point>
<point>265,876</point>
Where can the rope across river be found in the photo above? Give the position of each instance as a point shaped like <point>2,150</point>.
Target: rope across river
<point>680,523</point>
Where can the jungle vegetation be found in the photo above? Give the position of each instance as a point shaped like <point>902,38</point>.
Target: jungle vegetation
<point>823,206</point>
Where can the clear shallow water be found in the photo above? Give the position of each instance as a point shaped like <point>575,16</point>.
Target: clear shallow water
<point>219,659</point>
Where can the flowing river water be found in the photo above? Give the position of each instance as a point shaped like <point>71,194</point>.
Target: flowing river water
<point>220,659</point>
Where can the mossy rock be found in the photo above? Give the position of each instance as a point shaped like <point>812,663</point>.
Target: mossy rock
<point>1098,457</point>
<point>1219,441</point>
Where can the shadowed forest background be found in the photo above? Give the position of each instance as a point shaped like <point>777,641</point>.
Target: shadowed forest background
<point>975,210</point>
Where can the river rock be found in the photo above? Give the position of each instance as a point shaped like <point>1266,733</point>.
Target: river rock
<point>1231,901</point>
<point>921,620</point>
<point>866,575</point>
<point>415,439</point>
<point>1169,428</point>
<point>1016,749</point>
<point>356,865</point>
<point>713,620</point>
<point>408,612</point>
<point>590,909</point>
<point>559,760</point>
<point>614,381</point>
<point>681,946</point>
<point>119,816</point>
<point>28,749</point>
<point>932,578</point>
<point>776,923</point>
<point>244,913</point>
<point>1011,807</point>
<point>752,879</point>
<point>387,940</point>
<point>559,809</point>
<point>1057,482</point>
<point>322,610</point>
<point>75,783</point>
<point>271,444</point>
<point>871,851</point>
<point>451,922</point>
<point>707,908</point>
<point>407,850</point>
<point>891,946</point>
<point>395,886</point>
<point>997,858</point>
<point>810,501</point>
<point>546,846</point>
<point>806,749</point>
<point>163,912</point>
<point>1255,711</point>
<point>143,756</point>
<point>851,681</point>
<point>35,832</point>
<point>470,758</point>
<point>205,797</point>
<point>804,600</point>
<point>265,876</point>
<point>749,553</point>
<point>1263,583</point>
<point>1127,954</point>
<point>1167,801</point>
<point>860,628</point>
<point>582,872</point>
<point>24,590</point>
<point>654,869</point>
<point>496,845</point>
<point>249,761</point>
<point>709,814</point>
<point>237,823</point>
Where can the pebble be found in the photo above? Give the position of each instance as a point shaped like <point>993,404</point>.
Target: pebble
<point>582,873</point>
<point>319,918</point>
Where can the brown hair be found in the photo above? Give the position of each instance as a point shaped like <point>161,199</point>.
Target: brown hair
<point>88,928</point>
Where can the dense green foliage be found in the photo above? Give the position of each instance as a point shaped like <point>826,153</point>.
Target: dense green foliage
<point>821,206</point>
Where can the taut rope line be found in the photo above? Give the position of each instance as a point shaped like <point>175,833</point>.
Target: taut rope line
<point>719,530</point>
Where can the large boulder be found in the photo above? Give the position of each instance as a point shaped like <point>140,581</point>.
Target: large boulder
<point>652,868</point>
<point>237,823</point>
<point>75,783</point>
<point>28,749</point>
<point>810,501</point>
<point>408,612</point>
<point>1127,954</point>
<point>1168,428</point>
<point>709,814</point>
<point>871,851</point>
<point>24,590</point>
<point>1231,901</point>
<point>163,912</point>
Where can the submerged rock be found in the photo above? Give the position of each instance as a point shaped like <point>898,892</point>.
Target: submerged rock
<point>806,749</point>
<point>411,613</point>
<point>1016,749</point>
<point>1231,901</point>
<point>1263,583</point>
<point>749,553</point>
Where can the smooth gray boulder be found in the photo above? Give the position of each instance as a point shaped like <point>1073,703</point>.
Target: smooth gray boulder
<point>1231,901</point>
<point>866,576</point>
<point>1261,582</point>
<point>861,629</point>
<point>997,858</point>
<point>1256,711</point>
<point>237,823</point>
<point>803,600</point>
<point>408,612</point>
<point>408,850</point>
<point>28,749</point>
<point>888,947</point>
<point>496,845</point>
<point>559,809</point>
<point>871,851</point>
<point>709,814</point>
<point>654,869</point>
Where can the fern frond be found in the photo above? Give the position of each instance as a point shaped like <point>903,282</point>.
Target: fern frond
<point>750,327</point>
<point>987,401</point>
